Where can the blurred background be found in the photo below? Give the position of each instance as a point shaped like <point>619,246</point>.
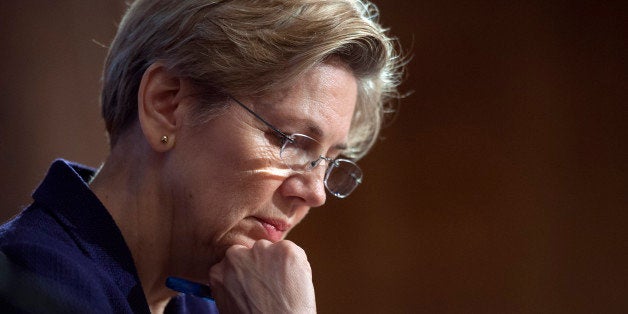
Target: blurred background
<point>499,187</point>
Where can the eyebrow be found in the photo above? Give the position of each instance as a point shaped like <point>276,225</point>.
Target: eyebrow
<point>317,133</point>
<point>313,128</point>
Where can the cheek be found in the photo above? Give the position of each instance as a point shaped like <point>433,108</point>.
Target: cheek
<point>219,181</point>
<point>214,208</point>
<point>203,220</point>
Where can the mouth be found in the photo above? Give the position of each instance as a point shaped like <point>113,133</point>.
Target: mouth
<point>275,229</point>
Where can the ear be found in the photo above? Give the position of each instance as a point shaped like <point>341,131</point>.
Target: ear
<point>159,106</point>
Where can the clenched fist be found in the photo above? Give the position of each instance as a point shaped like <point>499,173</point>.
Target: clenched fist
<point>267,278</point>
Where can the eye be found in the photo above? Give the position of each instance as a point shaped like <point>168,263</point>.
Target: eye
<point>275,138</point>
<point>305,143</point>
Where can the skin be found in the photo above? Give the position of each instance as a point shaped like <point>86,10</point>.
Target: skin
<point>198,206</point>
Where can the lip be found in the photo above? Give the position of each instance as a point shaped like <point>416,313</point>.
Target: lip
<point>275,228</point>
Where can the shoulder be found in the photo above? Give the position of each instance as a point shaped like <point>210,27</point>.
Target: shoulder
<point>42,268</point>
<point>34,224</point>
<point>39,279</point>
<point>67,247</point>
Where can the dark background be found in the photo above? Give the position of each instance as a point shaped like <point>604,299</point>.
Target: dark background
<point>500,186</point>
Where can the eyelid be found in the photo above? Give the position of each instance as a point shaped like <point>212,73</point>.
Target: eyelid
<point>274,137</point>
<point>334,152</point>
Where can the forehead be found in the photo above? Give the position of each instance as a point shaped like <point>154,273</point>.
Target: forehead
<point>320,104</point>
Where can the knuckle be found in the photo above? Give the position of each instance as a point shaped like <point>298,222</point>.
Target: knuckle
<point>261,244</point>
<point>291,250</point>
<point>215,274</point>
<point>234,251</point>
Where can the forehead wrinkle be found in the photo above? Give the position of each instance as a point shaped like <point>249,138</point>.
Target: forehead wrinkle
<point>326,116</point>
<point>309,109</point>
<point>317,133</point>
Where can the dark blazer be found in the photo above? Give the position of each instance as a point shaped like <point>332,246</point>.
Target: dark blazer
<point>64,254</point>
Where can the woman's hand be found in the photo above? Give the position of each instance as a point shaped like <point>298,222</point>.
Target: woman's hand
<point>267,278</point>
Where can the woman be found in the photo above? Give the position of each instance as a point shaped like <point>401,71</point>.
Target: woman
<point>228,121</point>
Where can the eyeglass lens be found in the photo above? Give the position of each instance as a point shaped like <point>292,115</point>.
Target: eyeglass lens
<point>302,153</point>
<point>342,177</point>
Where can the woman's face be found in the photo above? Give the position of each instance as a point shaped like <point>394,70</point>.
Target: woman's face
<point>228,183</point>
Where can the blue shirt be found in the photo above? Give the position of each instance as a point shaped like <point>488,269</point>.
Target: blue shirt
<point>65,253</point>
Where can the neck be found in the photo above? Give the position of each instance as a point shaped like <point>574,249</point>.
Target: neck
<point>130,190</point>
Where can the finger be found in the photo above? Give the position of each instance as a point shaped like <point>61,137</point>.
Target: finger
<point>217,271</point>
<point>261,244</point>
<point>290,250</point>
<point>216,274</point>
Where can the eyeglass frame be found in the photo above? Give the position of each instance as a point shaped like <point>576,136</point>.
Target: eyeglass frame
<point>331,162</point>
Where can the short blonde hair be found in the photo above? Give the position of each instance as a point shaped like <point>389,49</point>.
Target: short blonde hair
<point>245,47</point>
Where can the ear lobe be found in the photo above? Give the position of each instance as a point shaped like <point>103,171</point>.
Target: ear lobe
<point>159,106</point>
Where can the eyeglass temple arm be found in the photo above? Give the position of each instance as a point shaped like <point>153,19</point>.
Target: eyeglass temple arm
<point>282,134</point>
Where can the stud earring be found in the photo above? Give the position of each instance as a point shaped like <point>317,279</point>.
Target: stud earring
<point>164,139</point>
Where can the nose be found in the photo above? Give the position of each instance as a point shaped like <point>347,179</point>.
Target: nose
<point>307,186</point>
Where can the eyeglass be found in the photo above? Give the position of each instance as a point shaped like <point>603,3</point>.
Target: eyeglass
<point>302,153</point>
